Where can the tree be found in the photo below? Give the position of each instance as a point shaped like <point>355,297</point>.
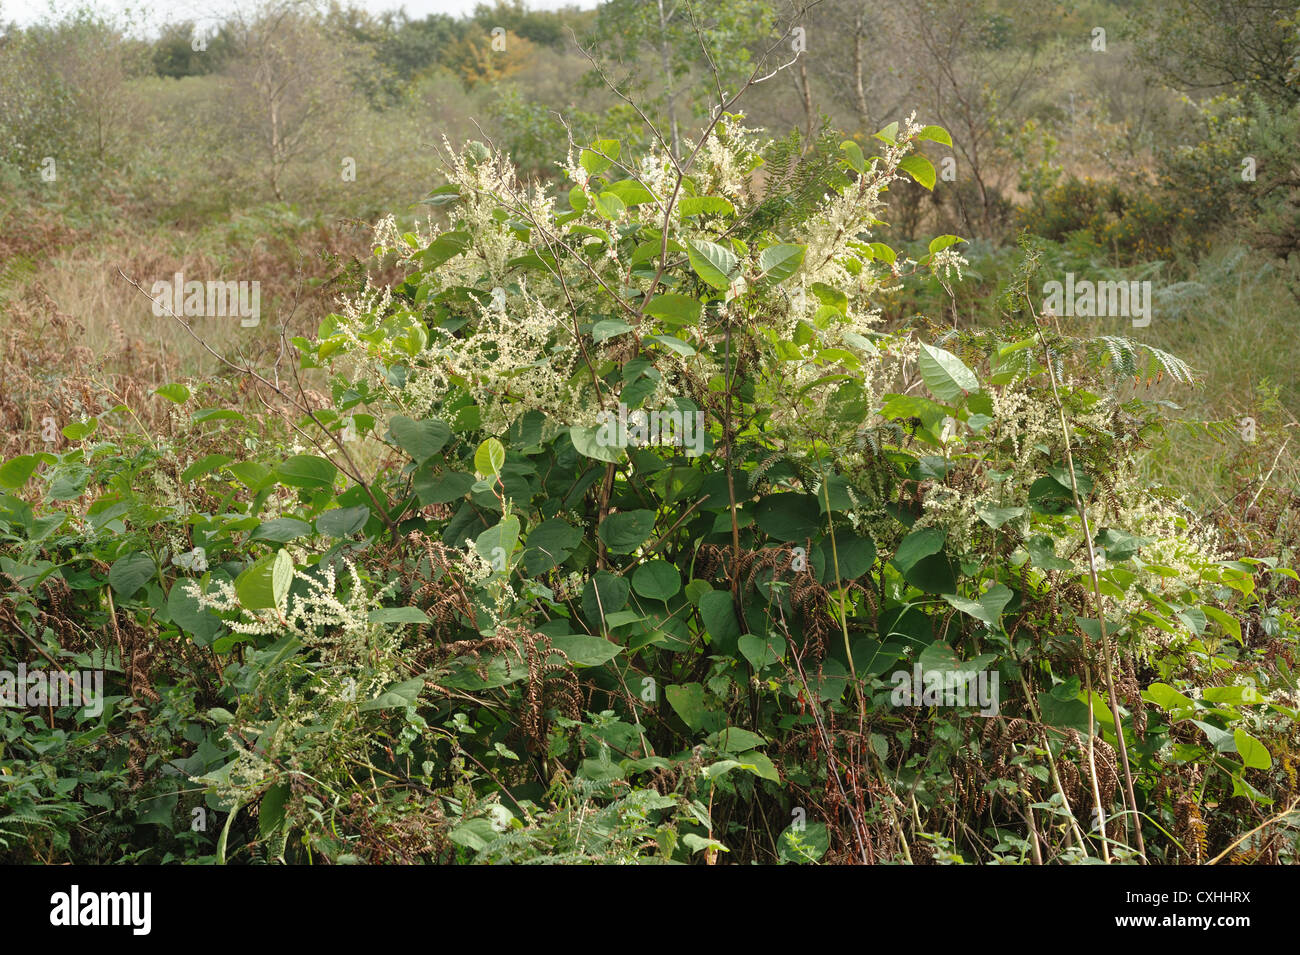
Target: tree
<point>412,48</point>
<point>975,82</point>
<point>542,27</point>
<point>674,40</point>
<point>64,90</point>
<point>1209,44</point>
<point>185,49</point>
<point>289,86</point>
<point>844,38</point>
<point>487,57</point>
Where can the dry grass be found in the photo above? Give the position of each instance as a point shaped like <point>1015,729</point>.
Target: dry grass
<point>76,338</point>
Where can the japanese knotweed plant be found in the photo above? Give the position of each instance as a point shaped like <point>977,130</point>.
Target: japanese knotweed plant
<point>661,520</point>
<point>852,502</point>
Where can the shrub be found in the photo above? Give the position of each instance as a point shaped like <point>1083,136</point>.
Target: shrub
<point>454,610</point>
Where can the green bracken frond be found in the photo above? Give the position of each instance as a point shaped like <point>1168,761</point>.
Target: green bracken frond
<point>1125,358</point>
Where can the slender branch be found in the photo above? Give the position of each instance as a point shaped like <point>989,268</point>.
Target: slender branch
<point>352,471</point>
<point>1101,610</point>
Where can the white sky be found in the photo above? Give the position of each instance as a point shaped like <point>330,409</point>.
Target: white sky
<point>155,12</point>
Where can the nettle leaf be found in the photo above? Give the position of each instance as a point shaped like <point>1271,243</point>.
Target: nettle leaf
<point>265,584</point>
<point>625,531</point>
<point>715,265</point>
<point>420,439</point>
<point>778,262</point>
<point>945,374</point>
